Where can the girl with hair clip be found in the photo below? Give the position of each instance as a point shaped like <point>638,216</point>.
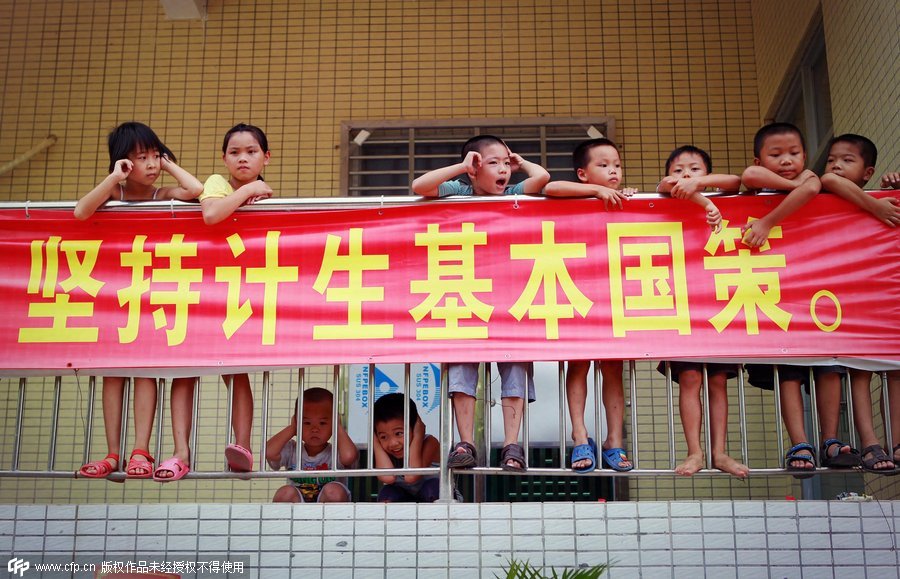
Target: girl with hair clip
<point>137,158</point>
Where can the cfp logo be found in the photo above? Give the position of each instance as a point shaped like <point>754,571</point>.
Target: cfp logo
<point>17,566</point>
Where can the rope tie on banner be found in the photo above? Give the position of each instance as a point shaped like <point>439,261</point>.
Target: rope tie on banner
<point>172,206</point>
<point>381,207</point>
<point>27,216</point>
<point>516,201</point>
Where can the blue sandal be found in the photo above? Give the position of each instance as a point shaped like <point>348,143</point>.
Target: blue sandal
<point>794,454</point>
<point>585,452</point>
<point>614,457</point>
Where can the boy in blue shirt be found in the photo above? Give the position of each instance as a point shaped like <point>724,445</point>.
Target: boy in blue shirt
<point>489,164</point>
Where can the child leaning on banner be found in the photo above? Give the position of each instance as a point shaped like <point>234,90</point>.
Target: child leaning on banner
<point>779,161</point>
<point>489,164</point>
<point>389,446</point>
<point>245,152</point>
<point>687,176</point>
<point>599,171</point>
<point>849,166</point>
<point>137,158</point>
<point>315,452</point>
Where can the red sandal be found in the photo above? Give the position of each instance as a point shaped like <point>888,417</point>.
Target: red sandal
<point>102,468</point>
<point>140,468</point>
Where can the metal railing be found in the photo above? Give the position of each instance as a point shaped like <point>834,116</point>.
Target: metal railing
<point>445,431</point>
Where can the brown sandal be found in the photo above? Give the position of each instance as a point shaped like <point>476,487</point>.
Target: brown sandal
<point>515,453</point>
<point>463,455</point>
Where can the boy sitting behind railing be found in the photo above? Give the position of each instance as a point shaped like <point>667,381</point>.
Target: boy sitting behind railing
<point>388,449</point>
<point>489,164</point>
<point>281,452</point>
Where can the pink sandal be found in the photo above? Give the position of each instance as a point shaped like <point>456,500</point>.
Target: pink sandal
<point>239,458</point>
<point>174,465</point>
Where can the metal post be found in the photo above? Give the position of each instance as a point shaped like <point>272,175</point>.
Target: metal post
<point>814,410</point>
<point>301,386</point>
<point>54,427</point>
<point>670,401</point>
<point>488,409</point>
<point>265,421</point>
<point>89,427</point>
<point>446,484</point>
<point>632,377</point>
<point>160,406</point>
<point>779,427</point>
<point>886,402</point>
<point>742,408</point>
<point>123,432</point>
<point>598,400</point>
<point>195,425</point>
<point>851,420</point>
<point>229,383</point>
<point>406,430</point>
<point>562,413</point>
<point>706,421</point>
<point>336,386</point>
<point>370,409</point>
<point>20,419</point>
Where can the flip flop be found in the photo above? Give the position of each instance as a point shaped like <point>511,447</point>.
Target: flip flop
<point>239,458</point>
<point>138,468</point>
<point>174,465</point>
<point>102,468</point>
<point>585,452</point>
<point>614,457</point>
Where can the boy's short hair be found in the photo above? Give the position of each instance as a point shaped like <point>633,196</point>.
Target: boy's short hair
<point>867,149</point>
<point>478,143</point>
<point>773,129</point>
<point>581,154</point>
<point>390,407</point>
<point>707,161</point>
<point>315,396</point>
<point>130,136</point>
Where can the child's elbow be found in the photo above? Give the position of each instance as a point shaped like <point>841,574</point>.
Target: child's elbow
<point>750,177</point>
<point>828,181</point>
<point>81,214</point>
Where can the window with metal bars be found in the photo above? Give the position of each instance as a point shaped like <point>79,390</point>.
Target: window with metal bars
<point>383,157</point>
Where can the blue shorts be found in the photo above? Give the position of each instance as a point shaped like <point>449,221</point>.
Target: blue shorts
<point>514,377</point>
<point>730,370</point>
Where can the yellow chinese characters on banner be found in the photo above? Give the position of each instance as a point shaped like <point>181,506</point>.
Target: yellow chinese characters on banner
<point>56,304</point>
<point>647,277</point>
<point>751,284</point>
<point>451,280</point>
<point>548,271</point>
<point>270,276</point>
<point>355,263</point>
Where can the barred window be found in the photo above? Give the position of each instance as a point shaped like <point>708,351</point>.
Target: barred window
<point>383,157</point>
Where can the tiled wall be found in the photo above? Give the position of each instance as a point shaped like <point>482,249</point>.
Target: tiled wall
<point>863,65</point>
<point>299,68</point>
<point>780,28</point>
<point>755,539</point>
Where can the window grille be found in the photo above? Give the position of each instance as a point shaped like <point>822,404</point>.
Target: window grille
<point>383,157</point>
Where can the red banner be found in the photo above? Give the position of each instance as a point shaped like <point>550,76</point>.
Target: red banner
<point>444,282</point>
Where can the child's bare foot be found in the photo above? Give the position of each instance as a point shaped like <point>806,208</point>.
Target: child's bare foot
<point>693,463</point>
<point>727,464</point>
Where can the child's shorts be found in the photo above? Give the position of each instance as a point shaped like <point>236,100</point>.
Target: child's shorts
<point>312,493</point>
<point>761,375</point>
<point>730,370</point>
<point>514,377</point>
